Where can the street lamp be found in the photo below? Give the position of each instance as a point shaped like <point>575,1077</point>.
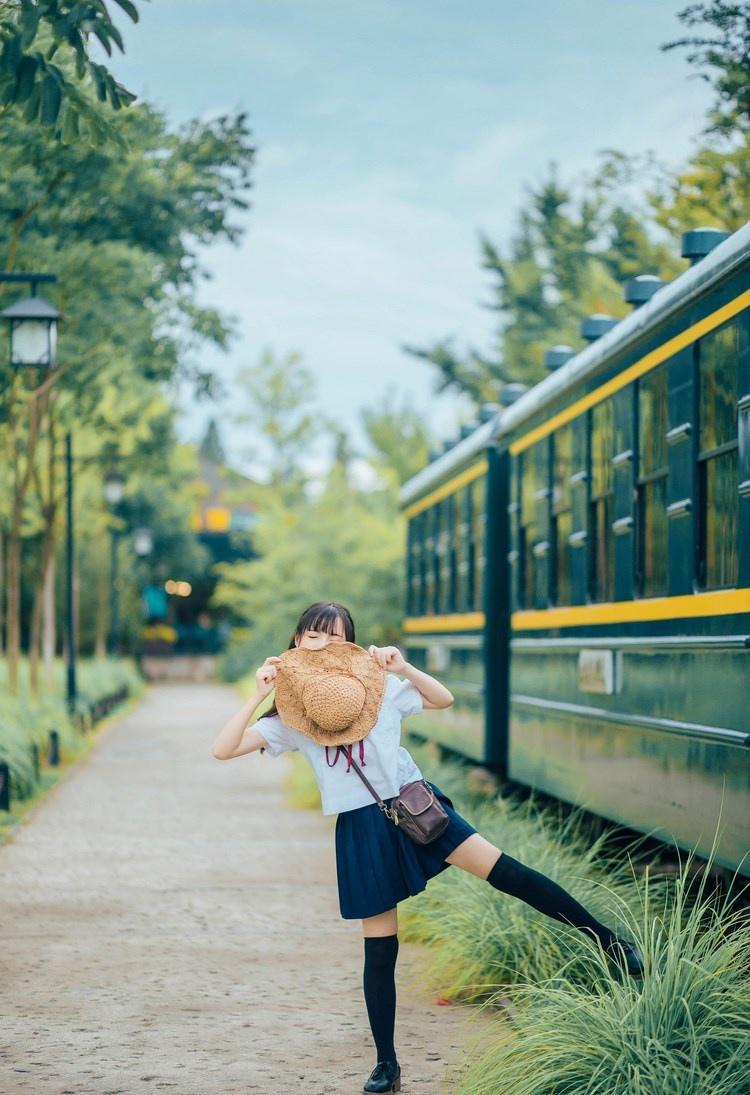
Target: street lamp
<point>32,329</point>
<point>114,489</point>
<point>143,541</point>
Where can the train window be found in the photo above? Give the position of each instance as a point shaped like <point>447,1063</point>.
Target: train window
<point>601,502</point>
<point>445,550</point>
<point>651,486</point>
<point>462,529</point>
<point>438,555</point>
<point>562,517</point>
<point>429,561</point>
<point>514,555</point>
<point>412,563</point>
<point>478,489</point>
<point>527,531</point>
<point>718,500</point>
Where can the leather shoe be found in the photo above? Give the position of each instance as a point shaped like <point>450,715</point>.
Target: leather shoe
<point>386,1076</point>
<point>627,956</point>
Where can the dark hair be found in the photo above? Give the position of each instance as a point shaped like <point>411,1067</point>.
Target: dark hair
<point>320,616</point>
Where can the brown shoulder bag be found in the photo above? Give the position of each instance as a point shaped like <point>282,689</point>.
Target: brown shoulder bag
<point>415,810</point>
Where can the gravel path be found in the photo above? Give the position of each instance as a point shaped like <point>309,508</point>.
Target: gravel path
<point>168,923</point>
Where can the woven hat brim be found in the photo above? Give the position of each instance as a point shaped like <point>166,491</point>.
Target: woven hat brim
<point>298,665</point>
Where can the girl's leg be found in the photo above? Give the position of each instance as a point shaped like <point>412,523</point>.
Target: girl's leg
<point>379,979</point>
<point>484,859</point>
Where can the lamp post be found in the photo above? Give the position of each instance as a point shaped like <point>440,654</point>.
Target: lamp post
<point>32,343</point>
<point>143,541</point>
<point>114,488</point>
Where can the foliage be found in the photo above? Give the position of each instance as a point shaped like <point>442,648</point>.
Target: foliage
<point>344,545</point>
<point>575,244</point>
<point>399,439</point>
<point>567,1020</point>
<point>279,390</point>
<point>46,69</point>
<point>726,56</point>
<point>684,1031</point>
<point>26,720</point>
<point>316,540</point>
<point>123,231</point>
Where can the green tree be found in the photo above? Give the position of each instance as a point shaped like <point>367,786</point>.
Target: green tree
<point>315,539</point>
<point>721,54</point>
<point>714,187</point>
<point>280,414</point>
<point>575,245</point>
<point>570,253</point>
<point>399,437</point>
<point>46,69</point>
<point>122,231</point>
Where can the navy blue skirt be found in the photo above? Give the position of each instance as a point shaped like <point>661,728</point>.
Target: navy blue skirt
<point>378,865</point>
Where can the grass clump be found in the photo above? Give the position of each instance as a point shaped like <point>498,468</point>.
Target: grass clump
<point>683,1030</point>
<point>26,721</point>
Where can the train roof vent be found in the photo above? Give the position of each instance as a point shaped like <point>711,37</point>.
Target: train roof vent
<point>596,325</point>
<point>512,392</point>
<point>640,289</point>
<point>488,411</point>
<point>557,356</point>
<point>697,243</point>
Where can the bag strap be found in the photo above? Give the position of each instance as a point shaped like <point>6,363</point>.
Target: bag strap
<point>386,809</point>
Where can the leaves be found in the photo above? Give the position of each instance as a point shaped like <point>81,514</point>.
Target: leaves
<point>62,29</point>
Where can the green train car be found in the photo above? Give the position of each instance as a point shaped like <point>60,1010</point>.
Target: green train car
<point>578,566</point>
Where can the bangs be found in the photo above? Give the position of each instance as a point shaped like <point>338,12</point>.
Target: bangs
<point>324,620</point>
<point>323,617</point>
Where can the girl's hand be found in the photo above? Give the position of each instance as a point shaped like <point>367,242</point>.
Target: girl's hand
<point>388,657</point>
<point>265,677</point>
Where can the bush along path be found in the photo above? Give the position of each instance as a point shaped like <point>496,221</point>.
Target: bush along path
<point>40,740</point>
<point>564,1021</point>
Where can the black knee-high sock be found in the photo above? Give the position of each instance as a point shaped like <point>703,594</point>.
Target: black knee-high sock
<point>539,891</point>
<point>379,983</point>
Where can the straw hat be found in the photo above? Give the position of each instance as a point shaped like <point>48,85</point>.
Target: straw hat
<point>332,695</point>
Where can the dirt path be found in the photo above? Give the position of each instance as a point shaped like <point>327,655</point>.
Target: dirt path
<point>168,923</point>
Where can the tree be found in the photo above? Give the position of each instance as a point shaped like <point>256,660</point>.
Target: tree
<point>211,446</point>
<point>46,68</point>
<point>399,438</point>
<point>714,187</point>
<point>722,59</point>
<point>572,249</point>
<point>122,231</point>
<point>280,390</point>
<point>337,542</point>
<point>575,245</point>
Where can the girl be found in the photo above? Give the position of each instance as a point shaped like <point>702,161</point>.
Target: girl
<point>378,865</point>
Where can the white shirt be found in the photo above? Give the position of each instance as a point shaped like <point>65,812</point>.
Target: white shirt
<point>387,764</point>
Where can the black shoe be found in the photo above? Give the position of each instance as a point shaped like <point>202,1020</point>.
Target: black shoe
<point>627,956</point>
<point>386,1076</point>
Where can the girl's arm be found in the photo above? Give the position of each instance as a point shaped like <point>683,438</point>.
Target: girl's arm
<point>237,738</point>
<point>434,694</point>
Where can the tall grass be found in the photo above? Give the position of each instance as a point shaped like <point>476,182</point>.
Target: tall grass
<point>571,1023</point>
<point>26,720</point>
<point>481,938</point>
<point>683,1030</point>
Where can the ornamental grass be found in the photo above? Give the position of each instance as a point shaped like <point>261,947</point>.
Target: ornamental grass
<point>481,938</point>
<point>683,1030</point>
<point>26,720</point>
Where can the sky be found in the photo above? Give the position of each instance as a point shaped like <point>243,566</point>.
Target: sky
<point>389,135</point>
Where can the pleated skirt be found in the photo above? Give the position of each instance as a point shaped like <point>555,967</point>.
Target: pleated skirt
<point>378,865</point>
